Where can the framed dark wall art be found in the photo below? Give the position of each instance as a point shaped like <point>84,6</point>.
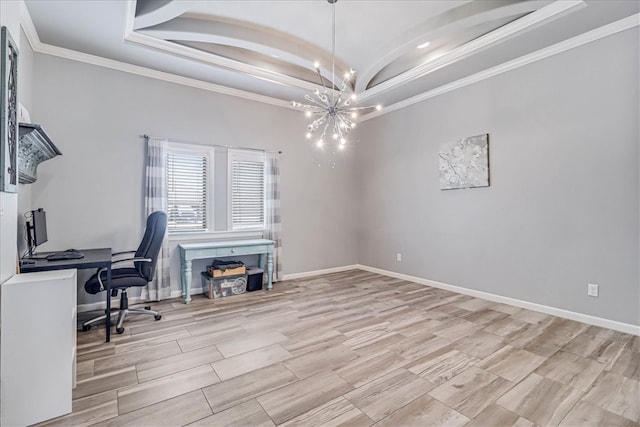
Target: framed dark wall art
<point>465,163</point>
<point>8,113</point>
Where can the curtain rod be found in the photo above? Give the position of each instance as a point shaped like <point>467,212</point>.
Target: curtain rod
<point>145,136</point>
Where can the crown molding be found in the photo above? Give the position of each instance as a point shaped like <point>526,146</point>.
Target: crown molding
<point>29,29</point>
<point>175,49</point>
<point>135,37</point>
<point>577,41</point>
<point>159,75</point>
<point>37,46</point>
<point>129,18</point>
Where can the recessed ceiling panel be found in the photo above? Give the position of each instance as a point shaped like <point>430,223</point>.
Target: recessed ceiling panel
<point>437,47</point>
<point>256,59</point>
<point>265,50</point>
<point>584,19</point>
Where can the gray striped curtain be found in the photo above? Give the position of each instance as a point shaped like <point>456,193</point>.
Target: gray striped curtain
<point>156,200</point>
<point>272,211</point>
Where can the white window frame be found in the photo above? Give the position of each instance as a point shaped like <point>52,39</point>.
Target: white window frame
<point>249,155</point>
<point>207,151</point>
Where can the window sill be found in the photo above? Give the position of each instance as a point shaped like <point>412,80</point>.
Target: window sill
<point>218,235</point>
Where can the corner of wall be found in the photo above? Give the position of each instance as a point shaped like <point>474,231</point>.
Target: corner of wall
<point>11,221</point>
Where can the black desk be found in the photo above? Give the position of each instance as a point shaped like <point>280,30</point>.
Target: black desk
<point>93,258</point>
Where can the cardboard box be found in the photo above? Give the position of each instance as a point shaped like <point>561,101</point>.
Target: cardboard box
<point>228,272</point>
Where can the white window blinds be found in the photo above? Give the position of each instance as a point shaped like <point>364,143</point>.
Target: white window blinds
<point>247,189</point>
<point>187,177</point>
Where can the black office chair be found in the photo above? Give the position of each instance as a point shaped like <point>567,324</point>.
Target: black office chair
<point>144,266</point>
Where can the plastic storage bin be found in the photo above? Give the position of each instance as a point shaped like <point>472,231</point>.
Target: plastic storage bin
<point>214,287</point>
<point>254,279</point>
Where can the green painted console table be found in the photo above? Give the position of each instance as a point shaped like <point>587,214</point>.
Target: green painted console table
<point>229,248</point>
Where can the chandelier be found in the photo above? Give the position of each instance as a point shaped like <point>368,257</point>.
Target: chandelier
<point>334,115</point>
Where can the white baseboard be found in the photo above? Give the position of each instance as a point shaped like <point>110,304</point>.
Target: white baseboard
<point>320,272</point>
<point>177,293</point>
<point>572,315</point>
<point>566,314</point>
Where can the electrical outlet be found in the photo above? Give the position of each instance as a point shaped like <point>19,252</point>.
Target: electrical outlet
<point>398,257</point>
<point>592,290</point>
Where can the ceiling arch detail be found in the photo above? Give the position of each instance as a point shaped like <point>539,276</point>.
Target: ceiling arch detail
<point>444,32</point>
<point>211,34</point>
<point>264,49</point>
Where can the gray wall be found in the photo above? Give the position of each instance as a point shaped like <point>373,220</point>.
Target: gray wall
<point>25,91</point>
<point>10,18</point>
<point>93,193</point>
<point>562,209</point>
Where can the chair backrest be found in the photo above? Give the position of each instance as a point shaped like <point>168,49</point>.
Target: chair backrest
<point>151,243</point>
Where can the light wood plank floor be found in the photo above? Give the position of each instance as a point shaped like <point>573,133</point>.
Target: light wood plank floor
<point>355,349</point>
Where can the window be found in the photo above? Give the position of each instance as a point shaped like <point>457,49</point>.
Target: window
<point>246,189</point>
<point>188,175</point>
<point>201,180</point>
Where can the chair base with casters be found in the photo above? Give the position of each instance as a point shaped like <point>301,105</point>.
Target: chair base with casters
<point>122,313</point>
<point>136,269</point>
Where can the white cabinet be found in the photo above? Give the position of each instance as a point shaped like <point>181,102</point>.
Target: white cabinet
<point>37,346</point>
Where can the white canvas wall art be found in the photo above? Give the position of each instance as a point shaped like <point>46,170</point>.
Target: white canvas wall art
<point>465,163</point>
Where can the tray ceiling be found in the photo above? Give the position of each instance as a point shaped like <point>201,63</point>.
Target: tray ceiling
<point>266,49</point>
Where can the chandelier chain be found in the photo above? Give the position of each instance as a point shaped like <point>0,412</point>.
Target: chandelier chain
<point>333,57</point>
<point>334,111</point>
